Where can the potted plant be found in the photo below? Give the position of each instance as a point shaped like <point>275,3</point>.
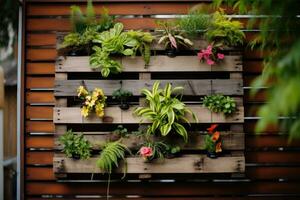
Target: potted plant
<point>92,101</point>
<point>75,145</point>
<point>212,141</point>
<point>219,103</point>
<point>172,38</point>
<point>210,55</point>
<point>165,112</point>
<point>151,150</point>
<point>122,96</point>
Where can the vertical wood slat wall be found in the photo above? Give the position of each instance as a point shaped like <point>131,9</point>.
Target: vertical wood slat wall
<point>272,166</point>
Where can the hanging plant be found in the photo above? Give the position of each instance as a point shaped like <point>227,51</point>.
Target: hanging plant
<point>92,101</point>
<point>212,141</point>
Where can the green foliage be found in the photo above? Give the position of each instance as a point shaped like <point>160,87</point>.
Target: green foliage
<point>110,156</point>
<point>75,145</point>
<point>121,131</point>
<point>164,111</point>
<point>210,145</point>
<point>121,95</point>
<point>9,12</point>
<point>158,149</point>
<point>171,36</point>
<point>224,32</point>
<point>112,42</point>
<point>220,103</point>
<point>144,39</point>
<point>195,23</point>
<point>280,35</point>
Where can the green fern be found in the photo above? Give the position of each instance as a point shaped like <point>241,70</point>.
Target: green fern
<point>110,156</point>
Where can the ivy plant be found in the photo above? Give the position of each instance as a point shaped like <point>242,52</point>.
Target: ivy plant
<point>165,112</point>
<point>224,32</point>
<point>75,145</point>
<point>219,103</point>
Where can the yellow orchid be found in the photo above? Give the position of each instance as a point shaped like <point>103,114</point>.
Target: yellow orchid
<point>85,111</point>
<point>81,91</point>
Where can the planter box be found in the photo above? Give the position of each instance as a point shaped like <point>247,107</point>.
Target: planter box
<point>198,79</point>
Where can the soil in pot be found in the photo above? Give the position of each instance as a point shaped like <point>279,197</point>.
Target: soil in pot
<point>212,155</point>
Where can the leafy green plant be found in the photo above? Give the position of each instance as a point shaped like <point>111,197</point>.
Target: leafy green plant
<point>224,32</point>
<point>151,150</point>
<point>121,131</point>
<point>75,145</point>
<point>144,39</point>
<point>220,103</point>
<point>171,36</point>
<point>113,42</point>
<point>110,156</point>
<point>195,23</point>
<point>164,111</point>
<point>212,141</point>
<point>122,96</point>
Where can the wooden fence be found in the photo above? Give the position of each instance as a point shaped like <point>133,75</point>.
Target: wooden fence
<point>272,166</point>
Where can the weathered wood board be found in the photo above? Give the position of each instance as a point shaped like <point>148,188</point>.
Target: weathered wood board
<point>136,165</point>
<point>72,115</point>
<point>157,64</point>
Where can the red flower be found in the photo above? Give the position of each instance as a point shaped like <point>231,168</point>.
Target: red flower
<point>146,151</point>
<point>212,128</point>
<point>215,136</point>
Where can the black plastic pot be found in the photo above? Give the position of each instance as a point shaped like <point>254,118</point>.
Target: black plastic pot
<point>212,155</point>
<point>171,53</point>
<point>124,105</point>
<point>76,156</point>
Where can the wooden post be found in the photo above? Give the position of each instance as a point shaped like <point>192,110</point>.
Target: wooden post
<point>1,132</point>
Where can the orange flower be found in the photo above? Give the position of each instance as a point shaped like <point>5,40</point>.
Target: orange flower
<point>219,147</point>
<point>215,136</point>
<point>212,128</point>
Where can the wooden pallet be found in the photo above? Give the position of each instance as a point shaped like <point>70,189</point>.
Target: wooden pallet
<point>224,78</point>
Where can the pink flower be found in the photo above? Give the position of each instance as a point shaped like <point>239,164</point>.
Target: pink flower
<point>220,56</point>
<point>173,41</point>
<point>200,55</point>
<point>146,151</point>
<point>209,48</point>
<point>210,62</point>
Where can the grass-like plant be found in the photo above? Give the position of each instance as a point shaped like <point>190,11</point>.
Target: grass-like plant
<point>195,23</point>
<point>224,32</point>
<point>75,145</point>
<point>219,103</point>
<point>164,111</point>
<point>110,156</point>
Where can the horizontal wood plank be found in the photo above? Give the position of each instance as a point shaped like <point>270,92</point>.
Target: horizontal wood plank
<point>190,87</point>
<point>187,163</point>
<point>71,115</point>
<point>157,64</point>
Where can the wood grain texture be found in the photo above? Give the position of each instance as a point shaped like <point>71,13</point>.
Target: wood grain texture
<point>157,64</point>
<point>187,163</point>
<point>71,115</point>
<point>190,87</point>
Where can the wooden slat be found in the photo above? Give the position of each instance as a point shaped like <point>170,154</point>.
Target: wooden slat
<point>71,115</point>
<point>157,64</point>
<point>187,163</point>
<point>39,173</point>
<point>40,142</point>
<point>39,126</point>
<point>230,141</point>
<point>39,82</point>
<point>191,87</point>
<point>39,97</point>
<point>41,54</point>
<point>114,9</point>
<point>39,112</point>
<point>41,158</point>
<point>165,189</point>
<point>40,68</point>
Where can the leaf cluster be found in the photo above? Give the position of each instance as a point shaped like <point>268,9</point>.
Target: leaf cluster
<point>219,103</point>
<point>75,144</point>
<point>171,36</point>
<point>209,144</point>
<point>224,32</point>
<point>164,111</point>
<point>195,23</point>
<point>121,95</point>
<point>111,155</point>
